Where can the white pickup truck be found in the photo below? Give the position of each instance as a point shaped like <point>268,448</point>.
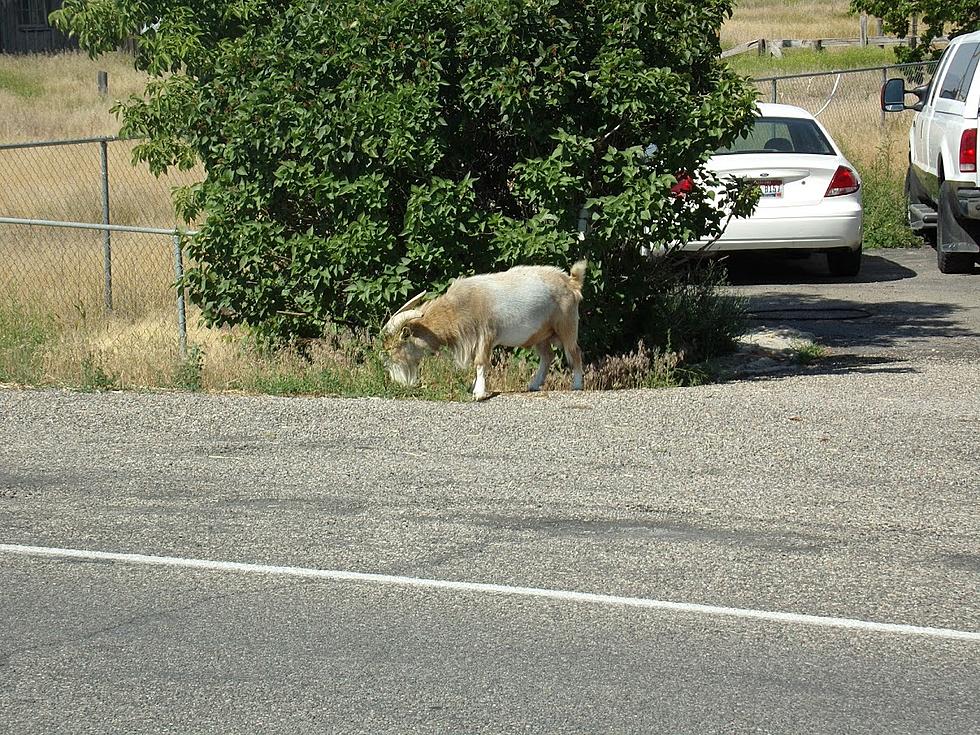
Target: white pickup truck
<point>943,185</point>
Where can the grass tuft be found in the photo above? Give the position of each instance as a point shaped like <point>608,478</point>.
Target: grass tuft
<point>807,353</point>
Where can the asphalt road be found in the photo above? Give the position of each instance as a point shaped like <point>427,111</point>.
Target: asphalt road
<point>849,493</point>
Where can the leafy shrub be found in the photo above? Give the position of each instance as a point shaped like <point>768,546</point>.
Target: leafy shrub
<point>358,152</point>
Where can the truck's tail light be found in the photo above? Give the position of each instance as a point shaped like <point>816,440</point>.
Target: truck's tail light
<point>845,181</point>
<point>968,151</point>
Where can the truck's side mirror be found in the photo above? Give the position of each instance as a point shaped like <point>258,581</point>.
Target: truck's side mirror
<point>922,91</point>
<point>893,95</point>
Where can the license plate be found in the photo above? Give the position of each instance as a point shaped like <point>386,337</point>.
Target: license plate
<point>771,188</point>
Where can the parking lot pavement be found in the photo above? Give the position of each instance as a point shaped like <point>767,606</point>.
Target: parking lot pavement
<point>848,496</point>
<point>899,307</point>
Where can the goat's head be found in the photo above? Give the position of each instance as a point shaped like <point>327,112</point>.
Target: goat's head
<point>405,344</point>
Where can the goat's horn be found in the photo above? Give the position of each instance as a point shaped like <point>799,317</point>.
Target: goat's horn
<point>400,319</point>
<point>391,326</point>
<point>411,302</point>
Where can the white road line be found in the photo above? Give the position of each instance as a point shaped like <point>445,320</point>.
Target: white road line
<point>499,589</point>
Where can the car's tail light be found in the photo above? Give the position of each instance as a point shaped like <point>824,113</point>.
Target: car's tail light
<point>684,185</point>
<point>968,151</point>
<point>845,181</point>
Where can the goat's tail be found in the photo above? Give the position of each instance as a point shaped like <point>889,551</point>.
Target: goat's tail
<point>577,274</point>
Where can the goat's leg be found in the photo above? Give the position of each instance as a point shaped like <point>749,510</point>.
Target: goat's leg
<point>482,362</point>
<point>546,355</point>
<point>569,340</point>
<point>574,356</point>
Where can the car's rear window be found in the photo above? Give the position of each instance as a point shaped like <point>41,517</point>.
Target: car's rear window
<point>782,135</point>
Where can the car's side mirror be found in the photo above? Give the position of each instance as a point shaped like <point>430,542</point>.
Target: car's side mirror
<point>893,95</point>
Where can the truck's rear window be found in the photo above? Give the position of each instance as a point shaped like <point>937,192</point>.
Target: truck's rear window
<point>782,135</point>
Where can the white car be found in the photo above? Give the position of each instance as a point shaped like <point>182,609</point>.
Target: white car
<point>811,194</point>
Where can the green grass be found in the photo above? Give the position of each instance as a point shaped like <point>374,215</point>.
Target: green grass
<point>95,376</point>
<point>22,341</point>
<point>807,353</point>
<point>20,84</point>
<point>801,61</point>
<point>440,381</point>
<point>696,315</point>
<point>885,221</point>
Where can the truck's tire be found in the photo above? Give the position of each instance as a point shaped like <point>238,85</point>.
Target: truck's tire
<point>950,230</point>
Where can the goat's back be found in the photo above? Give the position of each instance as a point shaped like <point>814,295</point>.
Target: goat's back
<point>518,303</point>
<point>521,278</point>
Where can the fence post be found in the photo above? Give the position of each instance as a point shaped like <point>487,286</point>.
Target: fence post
<point>881,112</point>
<point>106,235</point>
<point>864,29</point>
<point>181,309</point>
<point>773,91</point>
<point>102,81</point>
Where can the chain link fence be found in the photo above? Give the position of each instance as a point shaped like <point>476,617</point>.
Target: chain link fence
<point>99,300</point>
<point>848,105</point>
<point>80,295</point>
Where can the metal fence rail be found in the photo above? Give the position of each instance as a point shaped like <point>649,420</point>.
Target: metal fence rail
<point>81,242</point>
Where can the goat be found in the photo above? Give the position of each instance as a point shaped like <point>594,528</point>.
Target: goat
<point>526,306</point>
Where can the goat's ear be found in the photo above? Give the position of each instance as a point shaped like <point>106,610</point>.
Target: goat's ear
<point>406,333</point>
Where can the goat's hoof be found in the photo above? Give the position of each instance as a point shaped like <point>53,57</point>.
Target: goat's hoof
<point>480,396</point>
<point>533,388</point>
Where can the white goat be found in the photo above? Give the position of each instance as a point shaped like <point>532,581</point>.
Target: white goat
<point>526,306</point>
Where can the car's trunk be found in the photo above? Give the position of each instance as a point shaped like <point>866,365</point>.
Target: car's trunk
<point>786,179</point>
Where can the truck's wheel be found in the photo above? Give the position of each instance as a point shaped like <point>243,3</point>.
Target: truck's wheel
<point>949,230</point>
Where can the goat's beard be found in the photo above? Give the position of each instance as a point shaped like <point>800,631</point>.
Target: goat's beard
<point>406,374</point>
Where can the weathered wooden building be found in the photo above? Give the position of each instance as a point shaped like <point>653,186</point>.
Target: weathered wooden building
<point>24,27</point>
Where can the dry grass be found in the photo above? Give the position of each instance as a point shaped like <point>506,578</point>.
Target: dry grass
<point>789,19</point>
<point>54,97</point>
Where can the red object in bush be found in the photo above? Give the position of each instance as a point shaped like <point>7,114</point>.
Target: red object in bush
<point>684,185</point>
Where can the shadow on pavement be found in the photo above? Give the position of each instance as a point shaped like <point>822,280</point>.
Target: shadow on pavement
<point>900,327</point>
<point>752,269</point>
<point>837,365</point>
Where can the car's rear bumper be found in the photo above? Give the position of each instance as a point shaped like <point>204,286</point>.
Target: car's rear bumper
<point>792,228</point>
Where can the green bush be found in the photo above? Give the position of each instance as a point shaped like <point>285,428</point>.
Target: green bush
<point>358,152</point>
